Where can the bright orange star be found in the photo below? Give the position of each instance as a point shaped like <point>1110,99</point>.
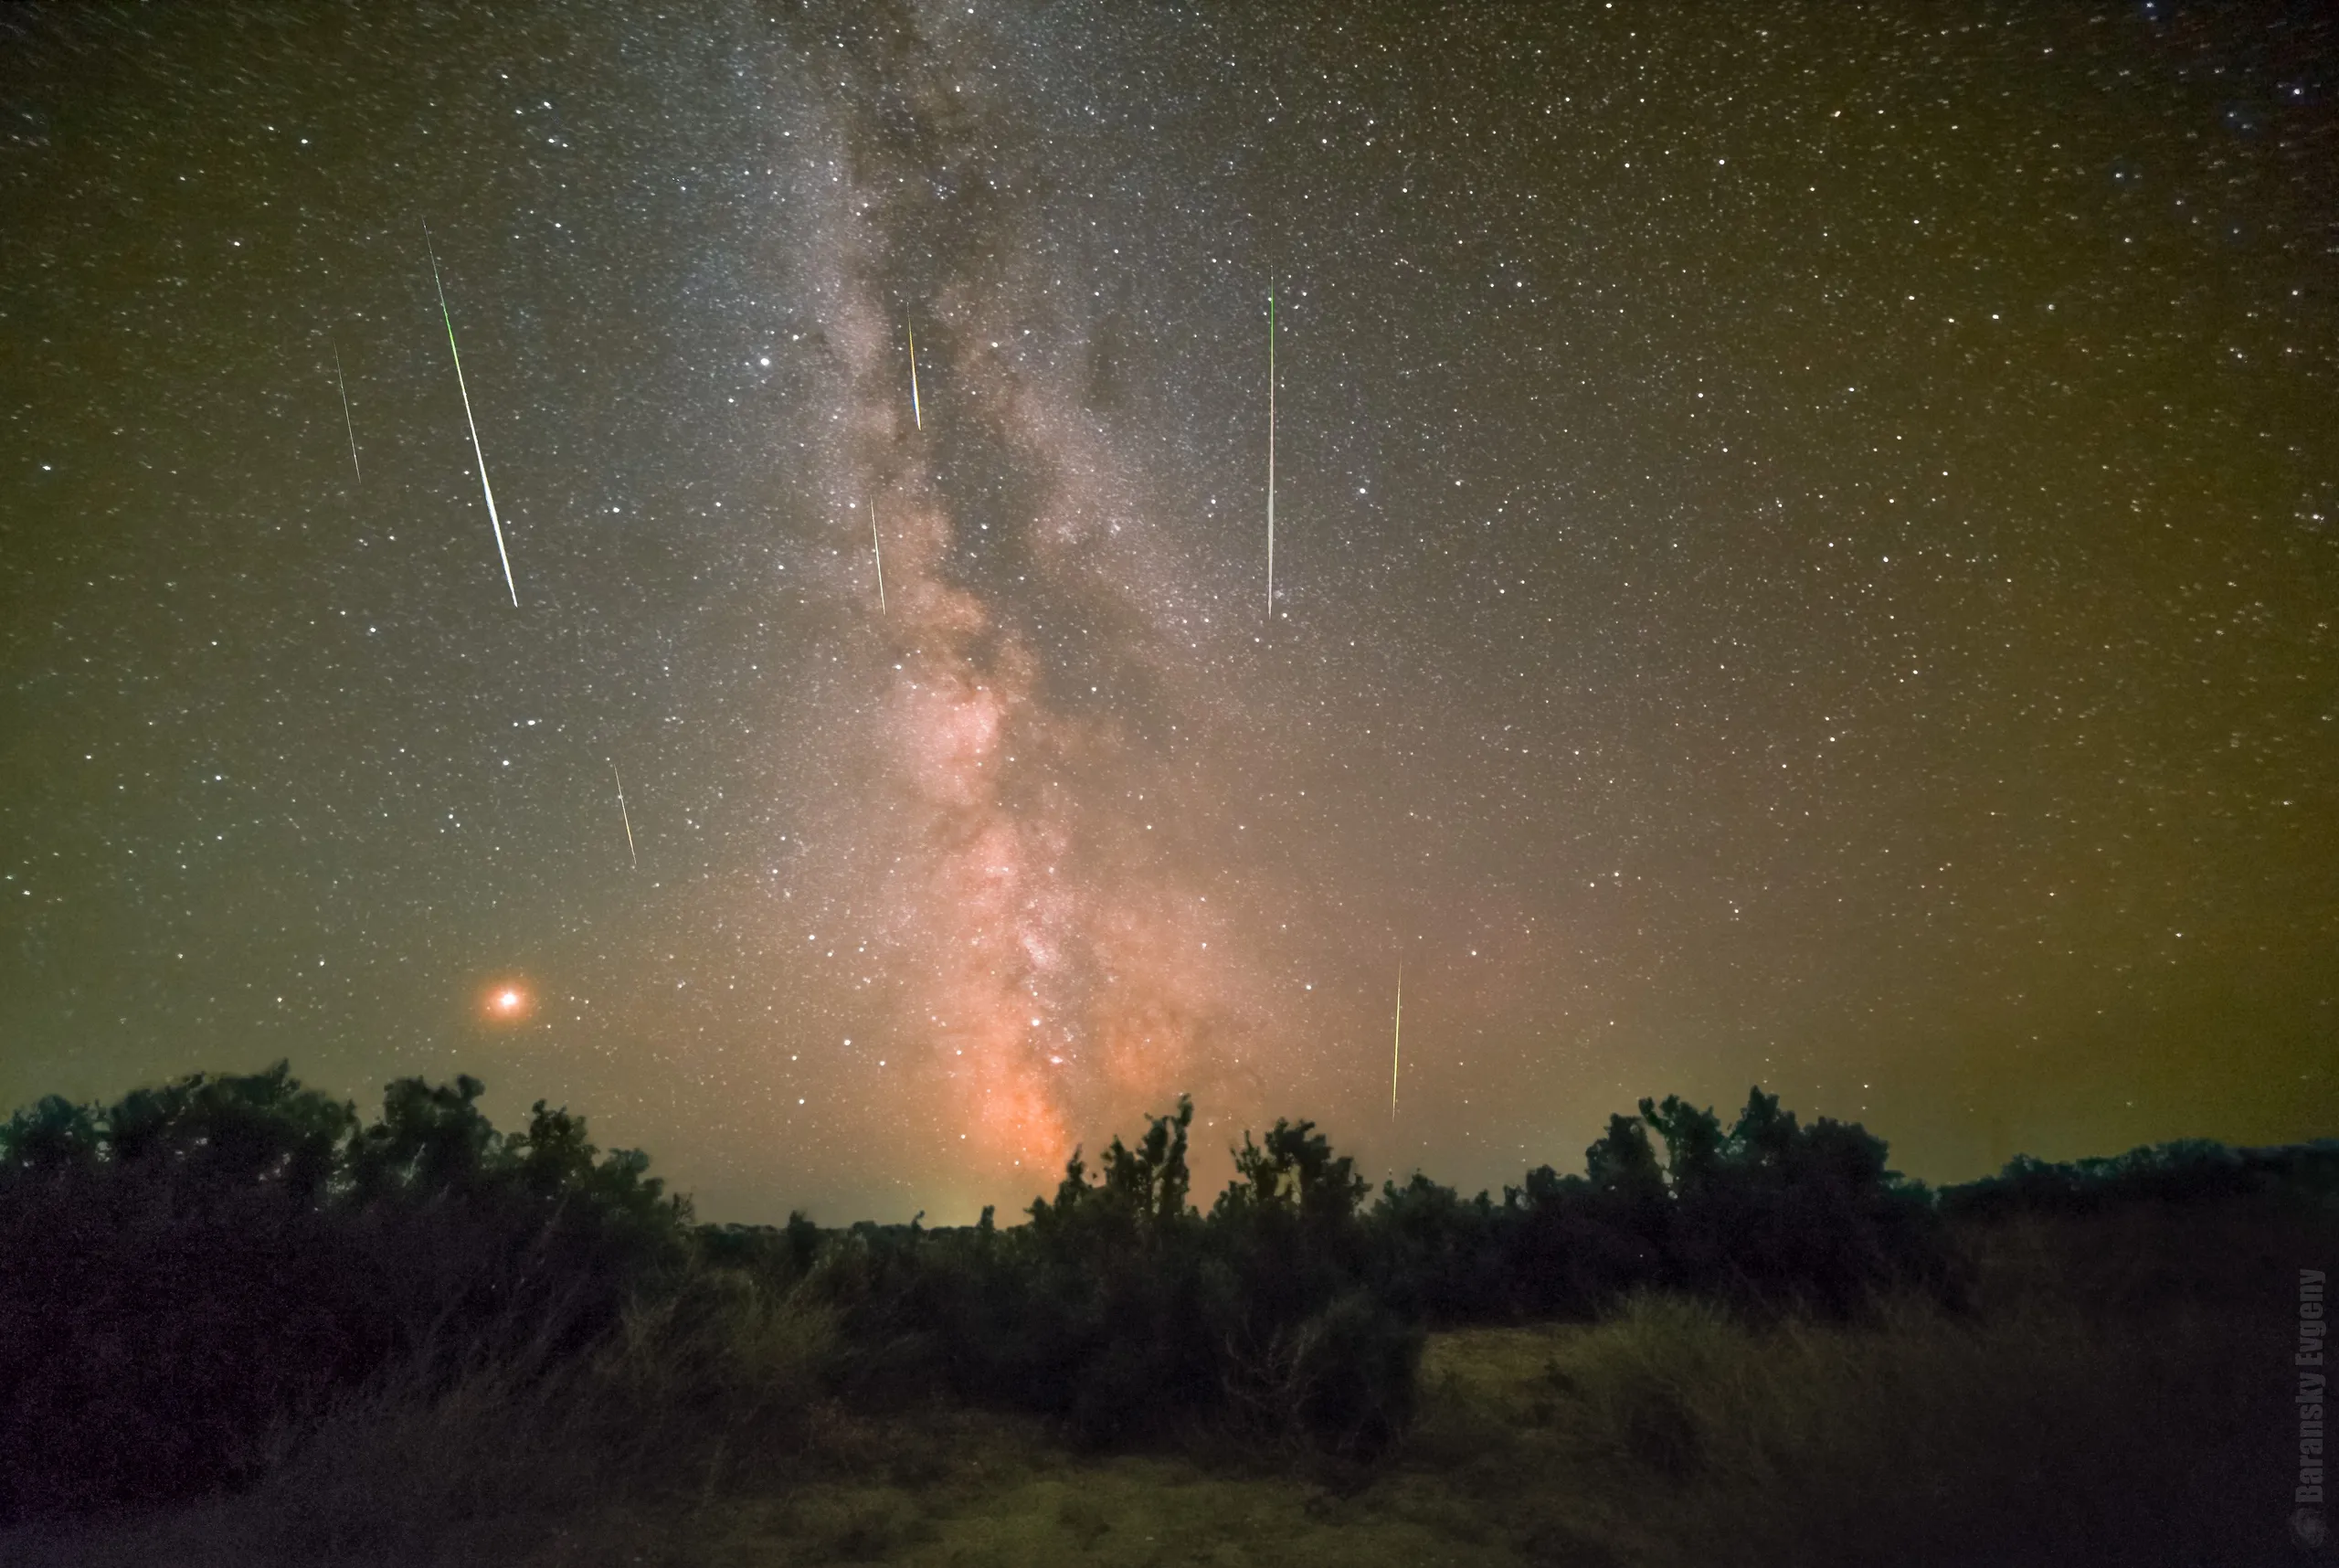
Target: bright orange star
<point>506,1002</point>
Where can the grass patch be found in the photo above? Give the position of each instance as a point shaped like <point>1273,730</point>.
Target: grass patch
<point>2029,1430</point>
<point>2108,1398</point>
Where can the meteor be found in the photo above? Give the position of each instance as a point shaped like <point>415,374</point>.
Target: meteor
<point>916,412</point>
<point>625,816</point>
<point>1271,451</point>
<point>347,423</point>
<point>1397,1045</point>
<point>878,555</point>
<point>494,522</point>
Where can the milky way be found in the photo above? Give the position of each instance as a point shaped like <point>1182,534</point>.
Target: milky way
<point>1805,540</point>
<point>1009,824</point>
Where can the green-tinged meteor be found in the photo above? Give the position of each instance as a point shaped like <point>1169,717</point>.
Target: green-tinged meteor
<point>1397,1045</point>
<point>1271,451</point>
<point>492,520</point>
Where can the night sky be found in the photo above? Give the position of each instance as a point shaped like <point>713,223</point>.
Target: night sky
<point>1806,551</point>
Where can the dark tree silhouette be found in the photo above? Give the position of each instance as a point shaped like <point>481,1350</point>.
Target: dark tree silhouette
<point>207,1261</point>
<point>200,1262</point>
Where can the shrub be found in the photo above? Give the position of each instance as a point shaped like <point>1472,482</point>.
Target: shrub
<point>202,1272</point>
<point>2190,1170</point>
<point>198,1264</point>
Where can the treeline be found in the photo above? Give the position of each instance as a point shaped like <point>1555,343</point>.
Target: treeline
<point>194,1272</point>
<point>189,1273</point>
<point>1295,1304</point>
<point>2188,1170</point>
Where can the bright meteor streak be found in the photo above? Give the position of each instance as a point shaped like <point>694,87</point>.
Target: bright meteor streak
<point>625,816</point>
<point>347,423</point>
<point>1271,451</point>
<point>1397,1045</point>
<point>494,520</point>
<point>916,412</point>
<point>878,555</point>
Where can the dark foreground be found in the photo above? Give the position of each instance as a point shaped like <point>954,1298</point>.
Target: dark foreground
<point>1767,1350</point>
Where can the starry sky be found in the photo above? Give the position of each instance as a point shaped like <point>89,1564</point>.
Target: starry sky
<point>1806,548</point>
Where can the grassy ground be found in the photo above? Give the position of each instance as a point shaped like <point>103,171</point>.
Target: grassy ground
<point>2118,1394</point>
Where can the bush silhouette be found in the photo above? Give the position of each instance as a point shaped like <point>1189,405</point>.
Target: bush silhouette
<point>201,1268</point>
<point>201,1263</point>
<point>2189,1171</point>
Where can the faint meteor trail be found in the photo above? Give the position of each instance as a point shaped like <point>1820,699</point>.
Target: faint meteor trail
<point>347,422</point>
<point>625,816</point>
<point>878,555</point>
<point>916,412</point>
<point>1397,1044</point>
<point>494,520</point>
<point>1271,451</point>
